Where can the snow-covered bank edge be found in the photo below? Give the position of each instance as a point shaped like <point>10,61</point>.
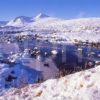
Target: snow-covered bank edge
<point>84,85</point>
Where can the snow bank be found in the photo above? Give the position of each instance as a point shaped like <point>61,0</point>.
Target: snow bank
<point>84,85</point>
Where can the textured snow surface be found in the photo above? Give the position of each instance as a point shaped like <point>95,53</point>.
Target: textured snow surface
<point>56,29</point>
<point>84,85</point>
<point>68,30</point>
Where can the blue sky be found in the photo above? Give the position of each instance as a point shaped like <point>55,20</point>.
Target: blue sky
<point>59,8</point>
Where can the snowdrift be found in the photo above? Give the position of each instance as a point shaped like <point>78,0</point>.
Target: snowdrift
<point>84,85</point>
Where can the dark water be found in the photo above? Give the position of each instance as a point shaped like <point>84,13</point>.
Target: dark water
<point>69,58</point>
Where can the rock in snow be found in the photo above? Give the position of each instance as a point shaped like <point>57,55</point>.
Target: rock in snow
<point>84,85</point>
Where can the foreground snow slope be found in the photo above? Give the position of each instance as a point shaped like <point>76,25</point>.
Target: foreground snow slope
<point>84,85</point>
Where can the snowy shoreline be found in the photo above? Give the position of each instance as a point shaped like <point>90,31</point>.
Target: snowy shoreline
<point>84,85</point>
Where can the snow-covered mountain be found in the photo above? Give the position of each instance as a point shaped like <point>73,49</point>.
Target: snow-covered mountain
<point>20,21</point>
<point>23,20</point>
<point>80,29</point>
<point>41,15</point>
<point>75,25</point>
<point>45,22</point>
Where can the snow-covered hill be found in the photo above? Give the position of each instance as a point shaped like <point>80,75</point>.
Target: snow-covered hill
<point>67,26</point>
<point>67,30</point>
<point>45,22</point>
<point>84,85</point>
<point>19,21</point>
<point>40,16</point>
<point>22,21</point>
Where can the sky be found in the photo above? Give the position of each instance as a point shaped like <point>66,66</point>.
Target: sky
<point>66,9</point>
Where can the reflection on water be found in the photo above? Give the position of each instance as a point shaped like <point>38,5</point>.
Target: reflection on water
<point>64,56</point>
<point>28,61</point>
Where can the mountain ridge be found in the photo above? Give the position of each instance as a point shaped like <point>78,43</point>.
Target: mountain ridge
<point>81,29</point>
<point>21,21</point>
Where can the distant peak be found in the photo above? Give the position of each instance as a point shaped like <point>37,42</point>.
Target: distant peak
<point>23,19</point>
<point>41,15</point>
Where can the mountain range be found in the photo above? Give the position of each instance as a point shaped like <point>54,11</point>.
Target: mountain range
<point>80,29</point>
<point>22,20</point>
<point>43,21</point>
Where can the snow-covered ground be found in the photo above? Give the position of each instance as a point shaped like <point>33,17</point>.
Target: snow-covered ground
<point>82,29</point>
<point>19,72</point>
<point>84,85</point>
